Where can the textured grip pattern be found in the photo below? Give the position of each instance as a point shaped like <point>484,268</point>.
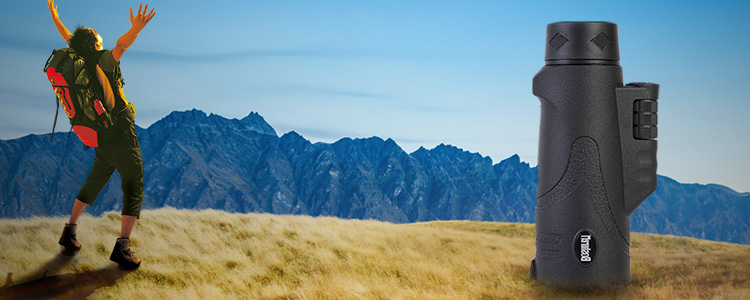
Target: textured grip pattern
<point>645,119</point>
<point>584,167</point>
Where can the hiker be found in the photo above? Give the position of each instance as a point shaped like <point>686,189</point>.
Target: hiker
<point>118,146</point>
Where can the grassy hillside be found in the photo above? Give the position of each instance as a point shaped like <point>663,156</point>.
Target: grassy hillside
<point>218,255</point>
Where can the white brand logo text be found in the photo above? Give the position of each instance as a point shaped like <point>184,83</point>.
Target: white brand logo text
<point>585,248</point>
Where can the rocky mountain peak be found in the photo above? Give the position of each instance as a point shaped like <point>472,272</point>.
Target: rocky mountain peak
<point>198,161</point>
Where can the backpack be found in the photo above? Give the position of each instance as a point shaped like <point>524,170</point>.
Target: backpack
<point>77,87</point>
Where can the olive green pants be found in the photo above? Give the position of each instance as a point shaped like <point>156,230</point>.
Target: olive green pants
<point>118,149</point>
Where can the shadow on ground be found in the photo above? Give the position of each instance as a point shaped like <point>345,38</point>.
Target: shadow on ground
<point>67,286</point>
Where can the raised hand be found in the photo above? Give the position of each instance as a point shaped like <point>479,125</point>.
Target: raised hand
<point>55,18</point>
<point>141,19</point>
<point>53,9</point>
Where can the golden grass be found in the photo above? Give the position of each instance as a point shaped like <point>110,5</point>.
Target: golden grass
<point>218,255</point>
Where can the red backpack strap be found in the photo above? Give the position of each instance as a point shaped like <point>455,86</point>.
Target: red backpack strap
<point>46,66</point>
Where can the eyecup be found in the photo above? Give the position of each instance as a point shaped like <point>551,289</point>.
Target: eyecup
<point>577,43</point>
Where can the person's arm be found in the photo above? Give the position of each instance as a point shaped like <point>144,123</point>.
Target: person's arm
<point>127,39</point>
<point>60,27</point>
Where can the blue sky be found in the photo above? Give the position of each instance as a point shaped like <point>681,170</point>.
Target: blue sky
<point>420,72</point>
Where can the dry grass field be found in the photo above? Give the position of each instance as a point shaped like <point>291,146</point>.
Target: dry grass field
<point>218,255</point>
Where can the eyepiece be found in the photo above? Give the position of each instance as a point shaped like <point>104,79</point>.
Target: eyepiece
<point>582,43</point>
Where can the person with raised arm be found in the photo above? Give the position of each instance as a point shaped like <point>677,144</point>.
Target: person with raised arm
<point>118,147</point>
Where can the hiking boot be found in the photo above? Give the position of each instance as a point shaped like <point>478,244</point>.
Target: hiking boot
<point>122,255</point>
<point>68,238</point>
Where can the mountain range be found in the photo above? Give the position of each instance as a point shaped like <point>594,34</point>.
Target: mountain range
<point>197,161</point>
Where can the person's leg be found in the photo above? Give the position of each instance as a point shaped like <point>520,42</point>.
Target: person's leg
<point>95,182</point>
<point>121,254</point>
<point>78,207</point>
<point>127,159</point>
<point>127,226</point>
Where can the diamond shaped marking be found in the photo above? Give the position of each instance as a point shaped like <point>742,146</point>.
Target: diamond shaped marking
<point>602,41</point>
<point>558,41</point>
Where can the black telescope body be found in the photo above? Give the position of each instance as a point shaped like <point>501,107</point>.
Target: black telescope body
<point>597,158</point>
